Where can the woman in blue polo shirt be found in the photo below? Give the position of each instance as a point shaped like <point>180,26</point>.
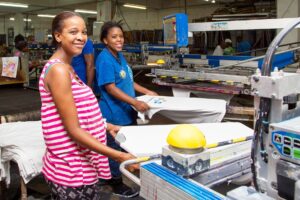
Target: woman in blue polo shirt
<point>117,89</point>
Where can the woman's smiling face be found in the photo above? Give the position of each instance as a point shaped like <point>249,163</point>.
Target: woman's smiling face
<point>73,35</point>
<point>114,40</point>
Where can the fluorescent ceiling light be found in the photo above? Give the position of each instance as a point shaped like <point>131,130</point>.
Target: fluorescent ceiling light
<point>86,11</point>
<point>46,15</point>
<point>19,5</point>
<point>244,15</point>
<point>213,1</point>
<point>25,19</point>
<point>128,5</point>
<point>99,22</point>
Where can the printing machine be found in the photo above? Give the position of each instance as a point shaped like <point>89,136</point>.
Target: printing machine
<point>221,74</point>
<point>222,77</point>
<point>275,151</point>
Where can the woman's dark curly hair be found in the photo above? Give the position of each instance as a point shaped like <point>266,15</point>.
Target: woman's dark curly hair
<point>107,26</point>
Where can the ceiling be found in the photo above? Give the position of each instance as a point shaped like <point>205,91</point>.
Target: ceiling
<point>55,6</point>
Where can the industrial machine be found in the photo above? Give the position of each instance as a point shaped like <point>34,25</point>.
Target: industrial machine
<point>222,77</point>
<point>220,74</point>
<point>275,149</point>
<point>191,157</point>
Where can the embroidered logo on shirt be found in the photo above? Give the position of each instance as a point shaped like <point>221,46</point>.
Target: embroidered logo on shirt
<point>122,74</point>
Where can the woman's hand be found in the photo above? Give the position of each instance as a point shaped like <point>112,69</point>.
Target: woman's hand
<point>113,129</point>
<point>127,156</point>
<point>151,93</point>
<point>141,106</point>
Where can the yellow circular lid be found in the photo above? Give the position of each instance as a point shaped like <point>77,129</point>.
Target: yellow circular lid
<point>160,61</point>
<point>186,136</point>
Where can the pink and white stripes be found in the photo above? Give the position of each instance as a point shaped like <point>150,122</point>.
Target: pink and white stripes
<point>66,162</point>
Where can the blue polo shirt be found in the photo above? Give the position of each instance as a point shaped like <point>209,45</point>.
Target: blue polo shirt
<point>78,62</point>
<point>112,70</point>
<point>244,46</point>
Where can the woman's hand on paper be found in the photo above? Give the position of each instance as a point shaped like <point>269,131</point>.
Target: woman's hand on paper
<point>113,129</point>
<point>141,106</point>
<point>151,93</point>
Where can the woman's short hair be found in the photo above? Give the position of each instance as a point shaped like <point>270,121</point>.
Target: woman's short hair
<point>19,38</point>
<point>58,23</point>
<point>20,42</point>
<point>106,27</point>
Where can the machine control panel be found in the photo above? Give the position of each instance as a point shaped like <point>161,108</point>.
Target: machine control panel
<point>287,144</point>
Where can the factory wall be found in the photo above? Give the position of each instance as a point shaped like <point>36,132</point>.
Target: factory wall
<point>152,19</point>
<point>40,27</point>
<point>136,19</point>
<point>194,12</point>
<point>287,9</point>
<point>139,19</point>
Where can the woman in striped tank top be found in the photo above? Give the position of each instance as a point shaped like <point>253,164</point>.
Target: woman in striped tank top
<point>73,128</point>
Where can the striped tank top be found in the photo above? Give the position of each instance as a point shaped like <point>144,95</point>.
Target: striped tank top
<point>66,162</point>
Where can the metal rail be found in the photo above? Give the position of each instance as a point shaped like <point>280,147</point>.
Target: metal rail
<point>255,58</point>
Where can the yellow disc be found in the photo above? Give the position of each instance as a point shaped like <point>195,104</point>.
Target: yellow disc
<point>186,136</point>
<point>160,61</point>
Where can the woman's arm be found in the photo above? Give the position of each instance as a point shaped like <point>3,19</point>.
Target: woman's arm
<point>113,129</point>
<point>58,82</point>
<point>90,69</point>
<point>143,90</point>
<point>122,96</point>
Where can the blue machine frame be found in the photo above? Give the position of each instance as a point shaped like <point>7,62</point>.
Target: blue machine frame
<point>280,61</point>
<point>175,28</point>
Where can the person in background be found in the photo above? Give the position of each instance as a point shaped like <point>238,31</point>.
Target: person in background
<point>117,89</point>
<point>4,51</point>
<point>21,50</point>
<point>72,124</point>
<point>20,45</point>
<point>83,64</point>
<point>243,47</point>
<point>229,50</point>
<point>219,50</point>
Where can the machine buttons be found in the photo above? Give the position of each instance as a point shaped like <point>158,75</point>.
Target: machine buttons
<point>287,140</point>
<point>296,153</point>
<point>297,143</point>
<point>277,138</point>
<point>286,151</point>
